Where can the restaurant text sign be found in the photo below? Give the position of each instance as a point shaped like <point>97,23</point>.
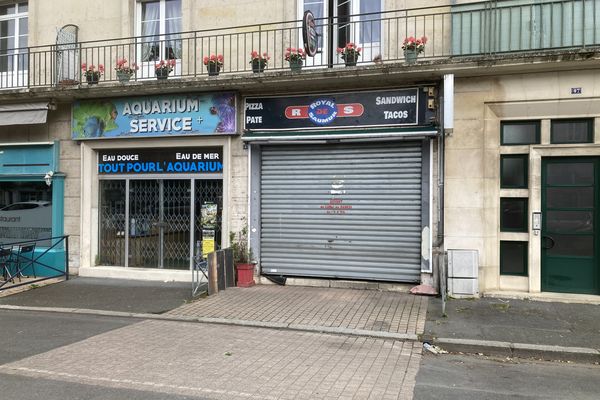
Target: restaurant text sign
<point>341,110</point>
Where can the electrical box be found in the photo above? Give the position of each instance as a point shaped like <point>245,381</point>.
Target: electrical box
<point>463,273</point>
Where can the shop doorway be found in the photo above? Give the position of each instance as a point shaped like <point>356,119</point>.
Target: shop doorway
<point>155,223</point>
<point>570,195</point>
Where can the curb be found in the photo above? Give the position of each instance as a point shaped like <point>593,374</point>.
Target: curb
<point>486,347</point>
<point>520,350</point>
<point>220,321</point>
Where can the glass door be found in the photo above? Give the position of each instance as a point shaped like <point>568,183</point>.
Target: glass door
<point>160,29</point>
<point>144,223</point>
<point>154,223</point>
<point>356,21</point>
<point>570,225</point>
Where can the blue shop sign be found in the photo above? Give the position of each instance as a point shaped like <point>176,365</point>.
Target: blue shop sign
<point>155,116</point>
<point>177,160</point>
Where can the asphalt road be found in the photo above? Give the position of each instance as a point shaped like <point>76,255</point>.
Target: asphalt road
<point>464,377</point>
<point>25,334</point>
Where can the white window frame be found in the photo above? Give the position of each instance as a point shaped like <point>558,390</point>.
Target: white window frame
<point>370,50</point>
<point>147,67</point>
<point>15,77</point>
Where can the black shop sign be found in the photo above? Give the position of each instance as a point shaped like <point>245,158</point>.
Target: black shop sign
<point>178,160</point>
<point>388,108</point>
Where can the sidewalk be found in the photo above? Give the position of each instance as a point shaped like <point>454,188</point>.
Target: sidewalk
<point>346,311</point>
<point>119,295</point>
<point>492,326</point>
<point>516,328</point>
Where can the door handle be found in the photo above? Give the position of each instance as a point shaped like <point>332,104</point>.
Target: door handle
<point>552,242</point>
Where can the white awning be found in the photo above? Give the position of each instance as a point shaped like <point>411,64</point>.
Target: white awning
<point>23,114</point>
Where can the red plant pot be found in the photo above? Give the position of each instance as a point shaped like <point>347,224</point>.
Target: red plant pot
<point>245,275</point>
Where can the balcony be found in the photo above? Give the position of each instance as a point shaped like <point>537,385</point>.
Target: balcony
<point>472,32</point>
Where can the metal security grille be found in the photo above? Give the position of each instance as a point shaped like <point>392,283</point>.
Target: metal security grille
<point>209,191</point>
<point>159,215</point>
<point>343,211</point>
<point>175,223</point>
<point>144,203</point>
<point>112,223</point>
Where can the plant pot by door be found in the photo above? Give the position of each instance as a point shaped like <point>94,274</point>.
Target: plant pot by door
<point>410,56</point>
<point>296,65</point>
<point>213,69</point>
<point>245,275</point>
<point>92,79</point>
<point>123,77</point>
<point>258,66</point>
<point>162,74</point>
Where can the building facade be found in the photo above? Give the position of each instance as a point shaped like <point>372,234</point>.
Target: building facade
<point>481,143</point>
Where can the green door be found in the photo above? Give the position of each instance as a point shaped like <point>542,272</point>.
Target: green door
<point>570,195</point>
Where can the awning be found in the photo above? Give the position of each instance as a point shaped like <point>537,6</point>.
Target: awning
<point>401,133</point>
<point>23,114</point>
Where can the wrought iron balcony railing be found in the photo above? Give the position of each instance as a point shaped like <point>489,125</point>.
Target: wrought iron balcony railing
<point>477,29</point>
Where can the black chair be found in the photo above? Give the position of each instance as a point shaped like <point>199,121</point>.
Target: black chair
<point>24,259</point>
<point>6,263</point>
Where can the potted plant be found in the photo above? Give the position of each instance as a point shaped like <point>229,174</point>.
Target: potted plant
<point>259,62</point>
<point>92,75</point>
<point>242,258</point>
<point>295,57</point>
<point>163,68</point>
<point>125,71</point>
<point>349,53</point>
<point>213,64</point>
<point>412,48</point>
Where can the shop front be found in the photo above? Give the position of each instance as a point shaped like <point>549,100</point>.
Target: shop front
<point>157,179</point>
<point>32,203</point>
<point>341,184</point>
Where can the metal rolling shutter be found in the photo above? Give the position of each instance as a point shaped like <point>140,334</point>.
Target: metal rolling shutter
<point>378,238</point>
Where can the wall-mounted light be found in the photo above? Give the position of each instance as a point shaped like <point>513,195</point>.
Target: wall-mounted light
<point>48,177</point>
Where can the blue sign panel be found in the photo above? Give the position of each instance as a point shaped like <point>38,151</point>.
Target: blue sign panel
<point>155,116</point>
<point>177,160</point>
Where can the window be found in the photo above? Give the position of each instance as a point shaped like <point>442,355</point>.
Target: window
<point>513,258</point>
<point>513,214</point>
<point>317,7</point>
<point>13,37</point>
<point>25,211</point>
<point>513,171</point>
<point>160,27</point>
<point>370,25</point>
<point>356,21</point>
<point>572,131</point>
<point>520,132</point>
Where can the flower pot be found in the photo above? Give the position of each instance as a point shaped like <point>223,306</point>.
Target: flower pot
<point>410,56</point>
<point>92,79</point>
<point>258,66</point>
<point>162,74</point>
<point>351,61</point>
<point>245,275</point>
<point>213,69</point>
<point>296,65</point>
<point>123,77</point>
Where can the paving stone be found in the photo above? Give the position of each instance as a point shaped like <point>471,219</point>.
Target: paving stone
<point>369,310</point>
<point>227,362</point>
